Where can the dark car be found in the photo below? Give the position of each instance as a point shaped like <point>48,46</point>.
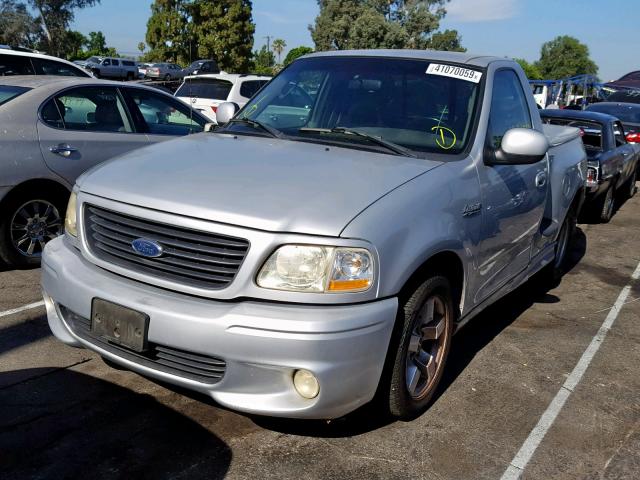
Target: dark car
<point>201,66</point>
<point>627,113</point>
<point>611,161</point>
<point>631,79</point>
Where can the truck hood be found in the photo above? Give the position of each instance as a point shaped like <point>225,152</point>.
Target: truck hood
<point>261,183</point>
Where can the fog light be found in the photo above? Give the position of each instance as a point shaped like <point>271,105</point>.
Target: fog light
<point>306,384</point>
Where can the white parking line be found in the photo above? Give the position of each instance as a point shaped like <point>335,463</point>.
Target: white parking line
<point>528,448</point>
<point>22,309</point>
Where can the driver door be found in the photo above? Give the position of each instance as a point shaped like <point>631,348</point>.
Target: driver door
<point>513,195</point>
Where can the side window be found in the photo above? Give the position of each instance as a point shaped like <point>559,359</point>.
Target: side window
<point>88,109</point>
<point>618,133</point>
<point>51,67</point>
<point>15,65</point>
<point>249,88</point>
<point>509,108</point>
<point>115,62</point>
<point>164,115</point>
<point>106,62</point>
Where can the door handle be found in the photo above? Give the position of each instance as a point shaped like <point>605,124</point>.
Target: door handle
<point>541,179</point>
<point>63,149</point>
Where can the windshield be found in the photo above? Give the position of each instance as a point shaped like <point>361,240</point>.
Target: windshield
<point>93,60</point>
<point>205,88</point>
<point>9,92</point>
<point>625,113</point>
<point>420,106</point>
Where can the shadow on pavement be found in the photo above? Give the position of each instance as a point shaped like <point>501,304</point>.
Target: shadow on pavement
<point>21,334</point>
<point>71,425</point>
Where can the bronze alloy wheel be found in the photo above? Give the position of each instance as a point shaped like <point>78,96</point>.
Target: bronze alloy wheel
<point>426,347</point>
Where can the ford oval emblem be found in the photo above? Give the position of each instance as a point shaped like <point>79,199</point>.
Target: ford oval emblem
<point>147,248</point>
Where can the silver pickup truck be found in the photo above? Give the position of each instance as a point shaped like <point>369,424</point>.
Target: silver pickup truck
<point>321,247</point>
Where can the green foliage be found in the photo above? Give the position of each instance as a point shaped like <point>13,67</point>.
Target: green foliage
<point>96,42</point>
<point>448,41</point>
<point>296,53</point>
<point>75,42</point>
<point>141,47</point>
<point>183,30</point>
<point>278,47</point>
<point>565,56</point>
<point>344,24</point>
<point>17,26</point>
<point>263,61</point>
<point>531,70</point>
<point>224,31</point>
<point>55,18</point>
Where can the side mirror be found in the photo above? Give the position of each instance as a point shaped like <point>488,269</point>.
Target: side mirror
<point>520,146</point>
<point>226,111</point>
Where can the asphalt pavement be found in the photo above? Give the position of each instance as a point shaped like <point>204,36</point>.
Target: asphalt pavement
<point>64,413</point>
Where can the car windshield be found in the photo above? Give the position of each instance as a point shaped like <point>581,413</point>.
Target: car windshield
<point>415,104</point>
<point>93,60</point>
<point>9,92</point>
<point>205,88</point>
<point>625,113</point>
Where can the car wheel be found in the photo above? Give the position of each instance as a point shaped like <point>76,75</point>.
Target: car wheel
<point>27,225</point>
<point>426,321</point>
<point>631,185</point>
<point>554,271</point>
<point>167,77</point>
<point>129,76</point>
<point>607,204</point>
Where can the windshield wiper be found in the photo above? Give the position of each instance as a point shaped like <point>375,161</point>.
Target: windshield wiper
<point>394,147</point>
<point>274,132</point>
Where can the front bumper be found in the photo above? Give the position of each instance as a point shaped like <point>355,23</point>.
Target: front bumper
<point>262,343</point>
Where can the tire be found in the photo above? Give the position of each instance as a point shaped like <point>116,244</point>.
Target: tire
<point>607,204</point>
<point>630,186</point>
<point>416,361</point>
<point>129,76</point>
<point>27,223</point>
<point>556,269</point>
<point>167,77</point>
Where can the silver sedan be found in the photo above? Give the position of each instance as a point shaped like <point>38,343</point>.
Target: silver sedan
<point>164,71</point>
<point>53,129</point>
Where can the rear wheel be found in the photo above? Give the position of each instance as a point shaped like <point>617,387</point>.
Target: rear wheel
<point>630,189</point>
<point>129,76</point>
<point>167,77</point>
<point>27,224</point>
<point>417,360</point>
<point>606,205</point>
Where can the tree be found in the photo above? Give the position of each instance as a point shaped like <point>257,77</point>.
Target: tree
<point>141,47</point>
<point>448,41</point>
<point>345,24</point>
<point>55,17</point>
<point>263,61</point>
<point>565,56</point>
<point>224,31</point>
<point>167,34</point>
<point>17,26</point>
<point>74,44</point>
<point>278,47</point>
<point>530,69</point>
<point>96,42</point>
<point>296,53</point>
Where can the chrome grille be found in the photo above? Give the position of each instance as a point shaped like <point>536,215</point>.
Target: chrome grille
<point>189,257</point>
<point>194,366</point>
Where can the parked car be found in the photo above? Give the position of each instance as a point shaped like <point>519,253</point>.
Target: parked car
<point>625,95</point>
<point>627,113</point>
<point>200,67</point>
<point>164,71</point>
<point>13,62</point>
<point>206,92</point>
<point>142,69</point>
<point>612,161</point>
<point>327,241</point>
<point>109,67</point>
<point>54,128</point>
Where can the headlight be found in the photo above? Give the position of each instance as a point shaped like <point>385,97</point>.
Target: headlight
<point>70,219</point>
<point>308,268</point>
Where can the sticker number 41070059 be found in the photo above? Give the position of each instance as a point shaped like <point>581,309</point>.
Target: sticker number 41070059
<point>454,72</point>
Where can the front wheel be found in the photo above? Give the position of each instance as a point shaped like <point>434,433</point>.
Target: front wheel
<point>607,204</point>
<point>426,321</point>
<point>630,189</point>
<point>26,225</point>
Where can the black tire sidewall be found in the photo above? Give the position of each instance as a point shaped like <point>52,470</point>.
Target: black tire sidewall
<point>605,212</point>
<point>8,253</point>
<point>398,400</point>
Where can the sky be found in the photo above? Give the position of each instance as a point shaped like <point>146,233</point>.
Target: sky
<point>513,28</point>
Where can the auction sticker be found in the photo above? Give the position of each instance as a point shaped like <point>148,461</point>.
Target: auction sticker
<point>454,72</point>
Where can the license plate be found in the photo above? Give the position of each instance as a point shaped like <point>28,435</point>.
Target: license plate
<point>120,325</point>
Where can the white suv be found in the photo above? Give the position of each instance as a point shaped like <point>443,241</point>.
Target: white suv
<point>205,92</point>
<point>15,62</point>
